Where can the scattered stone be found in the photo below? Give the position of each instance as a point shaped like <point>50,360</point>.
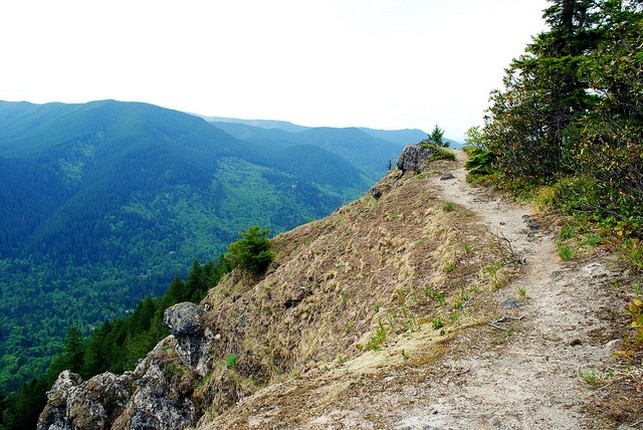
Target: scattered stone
<point>511,303</point>
<point>613,345</point>
<point>575,342</point>
<point>447,177</point>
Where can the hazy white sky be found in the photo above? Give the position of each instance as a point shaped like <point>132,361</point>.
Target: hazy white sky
<point>376,63</point>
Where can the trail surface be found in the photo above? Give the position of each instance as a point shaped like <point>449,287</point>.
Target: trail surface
<point>531,381</point>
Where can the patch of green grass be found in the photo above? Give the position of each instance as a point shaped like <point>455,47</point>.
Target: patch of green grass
<point>522,293</point>
<point>455,317</point>
<point>375,343</point>
<point>589,375</point>
<point>462,298</point>
<point>493,271</point>
<point>565,252</point>
<point>449,267</point>
<point>632,249</point>
<point>231,361</point>
<point>448,206</point>
<point>437,322</point>
<point>405,355</point>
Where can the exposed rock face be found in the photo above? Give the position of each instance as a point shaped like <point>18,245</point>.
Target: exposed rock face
<point>156,395</point>
<point>185,322</point>
<point>93,404</point>
<point>163,397</point>
<point>413,157</point>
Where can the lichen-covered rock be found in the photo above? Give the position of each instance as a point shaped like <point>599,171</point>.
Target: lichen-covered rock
<point>184,319</point>
<point>163,398</point>
<point>94,404</point>
<point>413,157</point>
<point>185,322</point>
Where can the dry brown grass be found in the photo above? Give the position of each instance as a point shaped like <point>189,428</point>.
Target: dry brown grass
<point>393,264</point>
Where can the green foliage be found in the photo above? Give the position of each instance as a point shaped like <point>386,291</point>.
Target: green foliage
<point>252,253</point>
<point>565,252</point>
<point>633,250</point>
<point>448,206</point>
<point>635,310</point>
<point>231,361</point>
<point>480,162</point>
<point>437,322</point>
<point>570,115</point>
<point>440,153</point>
<point>114,346</point>
<point>437,137</point>
<point>376,341</point>
<point>474,139</point>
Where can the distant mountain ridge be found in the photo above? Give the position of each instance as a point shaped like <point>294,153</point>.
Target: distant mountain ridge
<point>104,202</point>
<point>400,137</point>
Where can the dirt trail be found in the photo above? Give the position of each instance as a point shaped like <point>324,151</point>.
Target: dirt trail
<point>533,380</point>
<point>521,372</point>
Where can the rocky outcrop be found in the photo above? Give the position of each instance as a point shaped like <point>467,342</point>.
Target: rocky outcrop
<point>414,156</point>
<point>163,398</point>
<point>193,340</point>
<point>156,395</point>
<point>94,404</point>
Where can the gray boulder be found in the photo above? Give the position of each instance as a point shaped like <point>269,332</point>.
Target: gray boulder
<point>185,322</point>
<point>413,157</point>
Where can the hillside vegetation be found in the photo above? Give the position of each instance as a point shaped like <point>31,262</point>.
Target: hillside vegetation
<point>104,203</point>
<point>567,127</point>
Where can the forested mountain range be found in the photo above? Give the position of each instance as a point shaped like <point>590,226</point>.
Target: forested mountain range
<point>104,203</point>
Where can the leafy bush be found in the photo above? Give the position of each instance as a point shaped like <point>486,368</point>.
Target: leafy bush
<point>480,162</point>
<point>252,253</point>
<point>635,310</point>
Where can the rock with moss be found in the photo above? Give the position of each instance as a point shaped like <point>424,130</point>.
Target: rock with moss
<point>193,340</point>
<point>93,404</point>
<point>414,156</point>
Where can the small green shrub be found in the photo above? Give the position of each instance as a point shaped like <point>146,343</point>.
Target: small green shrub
<point>565,252</point>
<point>252,253</point>
<point>633,251</point>
<point>443,154</point>
<point>635,310</point>
<point>375,343</point>
<point>480,162</point>
<point>589,376</point>
<point>448,206</point>
<point>437,322</point>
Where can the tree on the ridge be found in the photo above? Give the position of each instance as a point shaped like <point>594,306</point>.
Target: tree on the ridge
<point>436,137</point>
<point>252,253</point>
<point>571,107</point>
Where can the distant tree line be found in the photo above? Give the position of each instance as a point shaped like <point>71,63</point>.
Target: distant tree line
<point>114,346</point>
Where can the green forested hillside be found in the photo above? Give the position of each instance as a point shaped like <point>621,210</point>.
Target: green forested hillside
<point>366,148</point>
<point>104,203</point>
